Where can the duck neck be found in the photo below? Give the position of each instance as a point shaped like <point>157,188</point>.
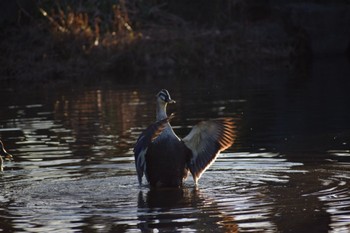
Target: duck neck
<point>161,111</point>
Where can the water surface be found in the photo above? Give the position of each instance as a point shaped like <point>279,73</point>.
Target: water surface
<point>288,171</point>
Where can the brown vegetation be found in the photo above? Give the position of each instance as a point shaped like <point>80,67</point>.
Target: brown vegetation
<point>80,42</point>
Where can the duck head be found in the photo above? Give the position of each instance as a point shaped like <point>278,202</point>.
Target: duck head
<point>163,98</point>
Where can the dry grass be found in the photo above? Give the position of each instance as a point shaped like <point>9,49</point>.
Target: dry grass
<point>92,29</point>
<point>72,42</point>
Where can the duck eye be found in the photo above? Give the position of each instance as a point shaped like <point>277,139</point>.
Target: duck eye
<point>162,96</point>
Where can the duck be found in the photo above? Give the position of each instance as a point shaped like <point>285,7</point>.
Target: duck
<point>166,159</point>
<point>3,155</point>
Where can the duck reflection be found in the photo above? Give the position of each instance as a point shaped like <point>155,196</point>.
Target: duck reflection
<point>176,210</point>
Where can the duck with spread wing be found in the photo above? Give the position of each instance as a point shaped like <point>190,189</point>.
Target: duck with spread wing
<point>166,159</point>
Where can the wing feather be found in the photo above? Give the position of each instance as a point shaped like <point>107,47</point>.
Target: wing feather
<point>142,143</point>
<point>206,140</point>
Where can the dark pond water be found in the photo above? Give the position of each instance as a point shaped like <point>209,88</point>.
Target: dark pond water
<point>289,170</point>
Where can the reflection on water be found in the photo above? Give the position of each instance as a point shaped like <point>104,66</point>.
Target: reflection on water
<point>335,193</point>
<point>180,210</point>
<point>74,172</point>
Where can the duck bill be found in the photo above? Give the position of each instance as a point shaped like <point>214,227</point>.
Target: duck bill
<point>171,101</point>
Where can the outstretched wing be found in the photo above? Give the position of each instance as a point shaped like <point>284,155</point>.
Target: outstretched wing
<point>206,140</point>
<point>144,140</point>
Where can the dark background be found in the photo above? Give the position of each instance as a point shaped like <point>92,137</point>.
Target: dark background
<point>155,39</point>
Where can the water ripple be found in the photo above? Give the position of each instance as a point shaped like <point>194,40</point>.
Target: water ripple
<point>74,170</point>
<point>336,195</point>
